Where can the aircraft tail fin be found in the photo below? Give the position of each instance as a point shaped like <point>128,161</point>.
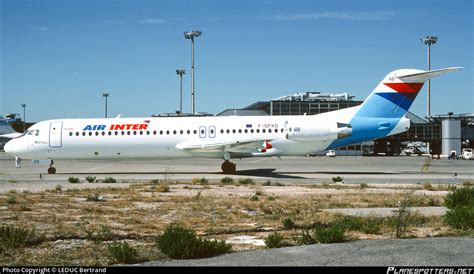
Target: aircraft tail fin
<point>396,92</point>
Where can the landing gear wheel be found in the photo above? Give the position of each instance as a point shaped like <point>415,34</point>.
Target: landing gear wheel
<point>51,170</point>
<point>228,167</point>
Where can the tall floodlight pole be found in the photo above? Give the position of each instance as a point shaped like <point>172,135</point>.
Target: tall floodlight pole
<point>24,117</point>
<point>191,35</point>
<point>180,72</point>
<point>105,95</point>
<point>429,40</point>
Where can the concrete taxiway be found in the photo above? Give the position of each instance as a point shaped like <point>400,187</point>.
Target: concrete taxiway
<point>397,170</point>
<point>407,252</point>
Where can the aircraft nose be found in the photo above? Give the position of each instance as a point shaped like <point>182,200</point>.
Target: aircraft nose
<point>13,147</point>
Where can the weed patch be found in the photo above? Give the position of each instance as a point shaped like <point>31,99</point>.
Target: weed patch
<point>275,240</point>
<point>12,237</point>
<point>247,181</point>
<point>91,179</point>
<point>122,252</point>
<point>74,180</point>
<point>178,242</point>
<point>460,203</point>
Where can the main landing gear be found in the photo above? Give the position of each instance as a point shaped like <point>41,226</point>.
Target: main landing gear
<point>228,167</point>
<point>51,169</point>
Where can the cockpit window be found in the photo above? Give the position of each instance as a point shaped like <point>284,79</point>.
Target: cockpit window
<point>37,133</point>
<point>30,132</point>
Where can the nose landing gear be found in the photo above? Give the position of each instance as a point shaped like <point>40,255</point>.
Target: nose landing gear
<point>51,169</point>
<point>228,167</point>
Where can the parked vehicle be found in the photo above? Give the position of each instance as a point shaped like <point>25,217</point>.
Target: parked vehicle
<point>331,153</point>
<point>467,153</point>
<point>453,155</point>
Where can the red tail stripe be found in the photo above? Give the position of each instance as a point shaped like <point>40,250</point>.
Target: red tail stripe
<point>405,87</point>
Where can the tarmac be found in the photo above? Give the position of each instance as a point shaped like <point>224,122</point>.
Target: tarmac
<point>353,169</point>
<point>430,252</point>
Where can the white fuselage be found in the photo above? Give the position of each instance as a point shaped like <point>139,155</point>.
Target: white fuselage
<point>175,137</point>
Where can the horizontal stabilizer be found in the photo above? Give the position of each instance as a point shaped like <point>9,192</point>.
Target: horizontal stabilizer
<point>421,77</point>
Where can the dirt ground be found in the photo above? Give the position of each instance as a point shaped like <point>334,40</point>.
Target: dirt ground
<point>73,226</point>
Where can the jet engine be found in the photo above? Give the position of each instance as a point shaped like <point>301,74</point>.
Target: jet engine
<point>320,133</point>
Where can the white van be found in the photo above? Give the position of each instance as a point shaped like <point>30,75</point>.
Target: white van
<point>467,153</point>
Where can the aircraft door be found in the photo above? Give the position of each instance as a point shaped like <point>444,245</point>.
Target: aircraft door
<point>202,132</point>
<point>55,134</point>
<point>212,132</point>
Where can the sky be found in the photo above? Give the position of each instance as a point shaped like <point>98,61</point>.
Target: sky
<point>58,57</point>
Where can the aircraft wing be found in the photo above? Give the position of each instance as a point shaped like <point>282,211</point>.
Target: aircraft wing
<point>250,145</point>
<point>11,135</point>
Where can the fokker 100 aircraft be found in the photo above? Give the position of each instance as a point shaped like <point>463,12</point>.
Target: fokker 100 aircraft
<point>382,114</point>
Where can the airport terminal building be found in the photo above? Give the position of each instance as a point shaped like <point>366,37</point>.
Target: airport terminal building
<point>443,132</point>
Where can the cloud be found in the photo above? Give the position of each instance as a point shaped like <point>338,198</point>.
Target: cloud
<point>40,28</point>
<point>115,22</point>
<point>153,21</point>
<point>349,16</point>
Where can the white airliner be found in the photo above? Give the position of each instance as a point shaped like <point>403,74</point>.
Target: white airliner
<point>382,114</point>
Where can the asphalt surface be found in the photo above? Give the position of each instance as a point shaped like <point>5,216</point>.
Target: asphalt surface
<point>353,169</point>
<point>403,252</point>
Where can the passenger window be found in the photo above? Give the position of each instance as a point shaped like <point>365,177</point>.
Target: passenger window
<point>128,132</point>
<point>189,131</point>
<point>181,132</point>
<point>141,132</point>
<point>70,133</point>
<point>258,130</point>
<point>110,133</point>
<point>195,131</point>
<point>270,131</point>
<point>228,131</point>
<point>148,132</point>
<point>134,133</point>
<point>123,132</point>
<point>240,131</point>
<point>103,133</point>
<point>251,131</point>
<point>222,131</point>
<point>96,133</point>
<point>263,130</point>
<point>90,133</point>
<point>246,130</point>
<point>83,134</point>
<point>77,133</point>
<point>174,132</point>
<point>116,133</point>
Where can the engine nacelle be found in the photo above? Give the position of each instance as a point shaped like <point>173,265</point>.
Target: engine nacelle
<point>320,133</point>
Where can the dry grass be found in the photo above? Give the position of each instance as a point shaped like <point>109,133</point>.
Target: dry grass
<point>65,220</point>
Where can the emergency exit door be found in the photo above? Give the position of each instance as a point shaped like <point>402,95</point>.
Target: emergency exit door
<point>55,134</point>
